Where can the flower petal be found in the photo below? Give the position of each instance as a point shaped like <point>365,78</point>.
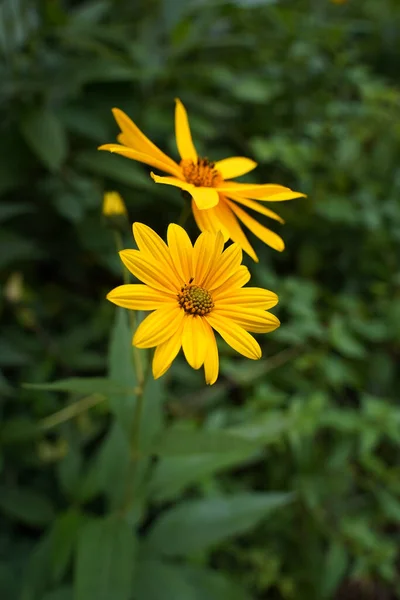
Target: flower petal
<point>166,352</point>
<point>137,140</point>
<point>251,319</point>
<point>256,206</point>
<point>174,181</point>
<point>234,335</point>
<point>205,197</point>
<point>263,191</point>
<point>235,281</point>
<point>251,297</point>
<point>226,216</point>
<point>137,296</point>
<point>142,267</point>
<point>207,220</point>
<point>266,235</point>
<point>211,361</point>
<point>183,136</point>
<point>150,244</point>
<point>181,250</point>
<point>207,251</point>
<point>195,340</point>
<point>227,264</point>
<point>235,166</point>
<point>159,326</point>
<point>147,159</point>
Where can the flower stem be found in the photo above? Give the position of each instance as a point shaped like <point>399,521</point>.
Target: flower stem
<point>71,411</point>
<point>185,212</point>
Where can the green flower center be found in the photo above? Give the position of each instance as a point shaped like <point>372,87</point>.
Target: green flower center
<point>201,173</point>
<point>195,300</point>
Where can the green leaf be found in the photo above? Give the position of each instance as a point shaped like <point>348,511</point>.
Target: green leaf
<point>62,593</point>
<point>105,561</point>
<point>343,340</point>
<point>213,585</point>
<point>172,475</point>
<point>196,525</point>
<point>120,368</point>
<point>336,563</point>
<point>26,505</point>
<point>177,441</point>
<point>114,167</point>
<point>65,533</point>
<point>46,137</point>
<point>162,581</point>
<point>80,385</point>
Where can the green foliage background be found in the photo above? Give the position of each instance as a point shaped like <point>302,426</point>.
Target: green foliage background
<point>282,480</point>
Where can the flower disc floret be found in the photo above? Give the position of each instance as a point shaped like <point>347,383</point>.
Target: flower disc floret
<point>201,173</point>
<point>195,300</point>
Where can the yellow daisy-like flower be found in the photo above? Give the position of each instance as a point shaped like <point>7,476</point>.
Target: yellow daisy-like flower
<point>193,290</point>
<point>216,200</point>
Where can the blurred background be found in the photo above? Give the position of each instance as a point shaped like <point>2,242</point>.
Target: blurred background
<point>310,90</point>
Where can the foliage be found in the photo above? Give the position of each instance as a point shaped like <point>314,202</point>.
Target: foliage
<point>281,481</point>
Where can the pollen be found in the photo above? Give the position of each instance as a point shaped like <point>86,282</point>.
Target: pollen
<point>201,173</point>
<point>195,300</point>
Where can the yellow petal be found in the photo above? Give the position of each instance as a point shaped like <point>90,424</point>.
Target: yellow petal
<point>137,296</point>
<point>147,271</point>
<point>234,335</point>
<point>137,140</point>
<point>231,224</point>
<point>251,297</point>
<point>251,190</point>
<point>202,256</point>
<point>256,206</point>
<point>183,136</point>
<point>251,319</point>
<point>195,340</point>
<point>235,281</point>
<point>211,361</point>
<point>266,235</point>
<point>204,197</point>
<point>166,353</point>
<point>288,195</point>
<point>181,250</point>
<point>174,181</point>
<point>150,244</point>
<point>207,220</point>
<point>147,159</point>
<point>235,166</point>
<point>159,326</point>
<point>227,264</point>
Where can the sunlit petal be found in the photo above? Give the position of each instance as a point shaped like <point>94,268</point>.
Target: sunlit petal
<point>166,352</point>
<point>251,319</point>
<point>234,335</point>
<point>181,250</point>
<point>204,197</point>
<point>195,340</point>
<point>251,297</point>
<point>137,140</point>
<point>141,157</point>
<point>150,244</point>
<point>266,235</point>
<point>227,265</point>
<point>235,166</point>
<point>137,296</point>
<point>159,326</point>
<point>256,206</point>
<point>183,135</point>
<point>211,361</point>
<point>146,270</point>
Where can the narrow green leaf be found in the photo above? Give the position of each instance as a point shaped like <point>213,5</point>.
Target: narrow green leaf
<point>177,441</point>
<point>64,537</point>
<point>213,585</point>
<point>80,385</point>
<point>46,137</point>
<point>120,368</point>
<point>25,505</point>
<point>105,561</point>
<point>195,525</point>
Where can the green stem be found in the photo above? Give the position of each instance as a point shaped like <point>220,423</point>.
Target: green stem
<point>185,212</point>
<point>71,411</point>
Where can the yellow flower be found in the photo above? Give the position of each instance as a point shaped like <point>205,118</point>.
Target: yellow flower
<point>113,205</point>
<point>193,290</point>
<point>215,198</point>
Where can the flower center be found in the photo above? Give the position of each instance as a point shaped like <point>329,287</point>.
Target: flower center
<point>195,300</point>
<point>201,173</point>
